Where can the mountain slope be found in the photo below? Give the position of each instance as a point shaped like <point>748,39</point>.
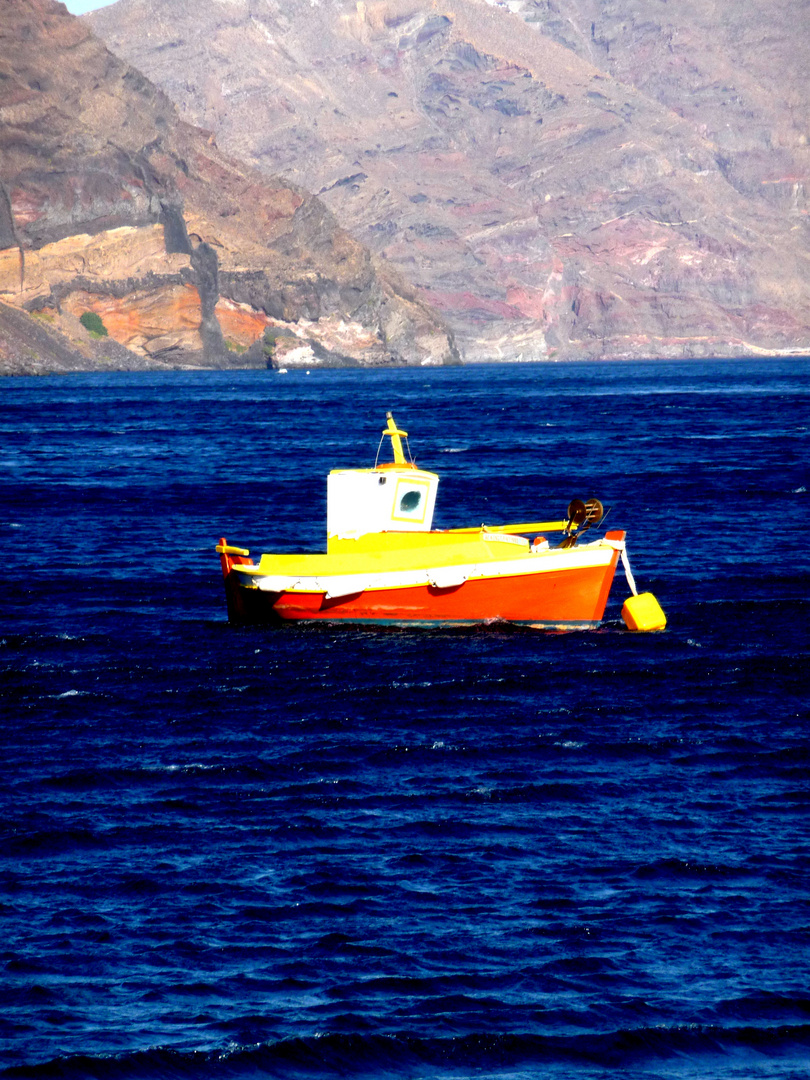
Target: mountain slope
<point>111,205</point>
<point>544,176</point>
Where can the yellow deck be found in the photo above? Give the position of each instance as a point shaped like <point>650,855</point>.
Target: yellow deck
<point>400,551</point>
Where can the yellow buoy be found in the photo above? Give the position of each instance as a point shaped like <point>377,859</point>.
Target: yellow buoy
<point>643,612</point>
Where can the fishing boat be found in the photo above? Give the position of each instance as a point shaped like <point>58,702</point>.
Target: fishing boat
<point>385,564</point>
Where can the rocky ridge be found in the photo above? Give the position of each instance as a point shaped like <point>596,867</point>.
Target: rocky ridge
<point>112,207</point>
<point>596,179</point>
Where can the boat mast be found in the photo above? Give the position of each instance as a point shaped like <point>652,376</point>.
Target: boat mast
<point>396,439</point>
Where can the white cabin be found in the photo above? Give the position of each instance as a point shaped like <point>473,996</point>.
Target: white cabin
<point>393,497</point>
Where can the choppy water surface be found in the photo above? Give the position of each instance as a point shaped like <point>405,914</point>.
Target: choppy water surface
<point>315,852</point>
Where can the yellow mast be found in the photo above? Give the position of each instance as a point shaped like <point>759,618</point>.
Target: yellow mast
<point>396,439</point>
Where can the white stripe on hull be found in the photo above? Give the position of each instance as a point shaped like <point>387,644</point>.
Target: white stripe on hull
<point>333,586</point>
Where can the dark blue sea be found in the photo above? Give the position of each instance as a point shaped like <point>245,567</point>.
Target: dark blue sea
<point>317,852</point>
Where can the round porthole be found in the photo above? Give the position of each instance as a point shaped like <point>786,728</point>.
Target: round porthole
<point>410,501</point>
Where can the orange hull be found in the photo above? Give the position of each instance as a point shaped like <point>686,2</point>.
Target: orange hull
<point>574,597</point>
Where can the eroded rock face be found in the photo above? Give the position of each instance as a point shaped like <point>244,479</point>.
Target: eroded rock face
<point>109,204</point>
<point>593,179</point>
<point>111,256</point>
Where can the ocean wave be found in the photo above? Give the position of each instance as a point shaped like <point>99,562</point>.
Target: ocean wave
<point>514,1055</point>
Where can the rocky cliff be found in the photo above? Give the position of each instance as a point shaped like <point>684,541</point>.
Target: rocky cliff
<point>588,179</point>
<point>128,240</point>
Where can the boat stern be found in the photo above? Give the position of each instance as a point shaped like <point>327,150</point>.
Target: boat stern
<point>237,597</point>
